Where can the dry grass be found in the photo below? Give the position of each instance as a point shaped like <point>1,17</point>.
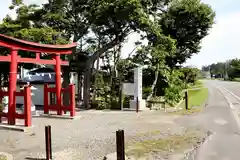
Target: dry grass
<point>2,157</point>
<point>196,101</point>
<point>165,145</point>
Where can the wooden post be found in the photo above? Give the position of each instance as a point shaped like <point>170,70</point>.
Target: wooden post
<point>45,107</point>
<point>137,105</point>
<point>72,99</point>
<point>48,142</point>
<point>186,100</point>
<point>27,106</point>
<point>121,97</point>
<point>120,145</point>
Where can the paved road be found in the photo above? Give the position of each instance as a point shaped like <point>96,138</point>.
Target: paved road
<point>222,120</point>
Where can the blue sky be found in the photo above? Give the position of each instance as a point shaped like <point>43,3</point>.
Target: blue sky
<point>223,40</point>
<point>221,44</point>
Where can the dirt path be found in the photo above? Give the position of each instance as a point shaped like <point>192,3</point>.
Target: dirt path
<point>90,137</point>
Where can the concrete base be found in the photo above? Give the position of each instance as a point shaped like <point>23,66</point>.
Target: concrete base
<point>142,105</point>
<point>112,156</point>
<point>60,116</point>
<point>16,128</point>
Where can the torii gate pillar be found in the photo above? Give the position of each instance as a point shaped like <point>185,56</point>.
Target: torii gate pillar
<point>12,86</point>
<point>58,82</point>
<point>15,45</point>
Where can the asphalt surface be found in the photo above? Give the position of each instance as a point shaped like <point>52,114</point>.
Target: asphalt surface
<point>222,120</point>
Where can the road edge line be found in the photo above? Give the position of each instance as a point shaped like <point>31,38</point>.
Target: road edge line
<point>234,95</point>
<point>233,109</point>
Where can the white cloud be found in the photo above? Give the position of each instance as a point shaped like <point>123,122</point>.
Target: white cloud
<point>222,43</point>
<point>4,7</point>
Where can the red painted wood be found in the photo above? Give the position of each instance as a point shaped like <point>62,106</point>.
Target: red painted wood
<point>33,60</point>
<point>12,88</point>
<point>5,58</point>
<point>11,42</point>
<point>42,61</point>
<point>70,107</point>
<point>3,93</point>
<point>65,90</point>
<point>34,49</point>
<point>46,103</point>
<point>19,116</point>
<point>53,107</point>
<point>2,114</point>
<point>51,89</point>
<point>72,100</point>
<point>27,106</point>
<point>38,56</point>
<point>22,93</point>
<point>58,83</point>
<point>16,44</point>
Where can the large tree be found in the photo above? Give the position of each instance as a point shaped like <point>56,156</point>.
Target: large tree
<point>188,22</point>
<point>113,20</point>
<point>23,27</point>
<point>164,23</point>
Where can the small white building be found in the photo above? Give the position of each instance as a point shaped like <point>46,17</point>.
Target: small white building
<point>37,78</point>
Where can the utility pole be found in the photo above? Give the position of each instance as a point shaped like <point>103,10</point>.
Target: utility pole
<point>226,73</point>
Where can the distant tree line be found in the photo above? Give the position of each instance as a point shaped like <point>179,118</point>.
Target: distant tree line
<point>229,70</point>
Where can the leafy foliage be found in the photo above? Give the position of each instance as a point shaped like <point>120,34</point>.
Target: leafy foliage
<point>172,28</point>
<point>230,68</point>
<point>173,93</point>
<point>188,22</point>
<point>190,75</point>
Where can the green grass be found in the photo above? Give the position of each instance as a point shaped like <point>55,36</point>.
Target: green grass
<point>197,97</point>
<point>198,84</point>
<point>196,101</point>
<point>236,79</point>
<point>2,157</point>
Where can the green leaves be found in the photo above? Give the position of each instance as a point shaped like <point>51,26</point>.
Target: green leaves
<point>173,92</point>
<point>188,22</point>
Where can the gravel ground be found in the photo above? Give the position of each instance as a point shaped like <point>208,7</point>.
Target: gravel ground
<point>89,138</point>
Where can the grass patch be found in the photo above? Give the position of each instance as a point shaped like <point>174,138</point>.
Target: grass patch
<point>236,79</point>
<point>152,133</point>
<point>196,101</point>
<point>164,146</point>
<point>2,157</point>
<point>198,84</point>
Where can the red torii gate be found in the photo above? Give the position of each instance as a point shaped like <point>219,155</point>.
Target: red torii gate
<point>15,45</point>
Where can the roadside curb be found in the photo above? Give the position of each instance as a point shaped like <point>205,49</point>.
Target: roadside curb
<point>191,155</point>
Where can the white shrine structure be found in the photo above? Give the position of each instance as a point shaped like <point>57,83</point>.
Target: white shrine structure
<point>135,89</point>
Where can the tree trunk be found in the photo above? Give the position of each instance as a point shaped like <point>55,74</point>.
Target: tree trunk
<point>80,80</point>
<point>154,84</point>
<point>88,71</point>
<point>66,82</point>
<point>86,89</point>
<point>97,68</point>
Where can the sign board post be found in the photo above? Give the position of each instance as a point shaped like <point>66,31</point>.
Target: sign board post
<point>135,89</point>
